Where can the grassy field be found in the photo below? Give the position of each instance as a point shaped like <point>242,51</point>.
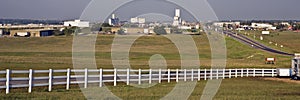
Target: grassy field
<point>289,40</point>
<point>230,89</point>
<point>55,52</point>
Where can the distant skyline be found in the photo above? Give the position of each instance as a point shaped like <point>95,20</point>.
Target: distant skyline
<point>224,9</point>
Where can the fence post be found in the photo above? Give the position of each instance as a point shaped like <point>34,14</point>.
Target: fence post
<point>128,76</point>
<point>184,74</point>
<point>263,72</point>
<point>30,81</point>
<point>204,74</point>
<point>217,74</point>
<point>7,80</point>
<point>100,77</point>
<point>211,75</point>
<point>199,76</point>
<point>229,73</point>
<point>50,80</point>
<point>150,76</point>
<point>68,78</point>
<point>177,75</point>
<point>168,75</point>
<point>140,76</point>
<point>242,72</point>
<point>85,78</point>
<point>254,72</point>
<point>159,76</point>
<point>272,72</point>
<point>192,76</point>
<point>236,73</point>
<point>115,77</point>
<point>223,73</point>
<point>247,72</point>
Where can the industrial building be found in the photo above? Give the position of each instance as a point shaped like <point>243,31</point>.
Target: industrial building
<point>266,26</point>
<point>133,30</point>
<point>31,33</point>
<point>77,23</point>
<point>221,24</point>
<point>113,21</point>
<point>177,19</point>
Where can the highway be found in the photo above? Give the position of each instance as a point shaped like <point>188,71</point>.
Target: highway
<point>255,44</point>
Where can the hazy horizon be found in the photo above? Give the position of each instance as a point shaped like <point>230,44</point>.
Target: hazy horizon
<point>224,9</point>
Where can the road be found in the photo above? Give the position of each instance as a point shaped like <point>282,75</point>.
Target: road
<point>255,44</point>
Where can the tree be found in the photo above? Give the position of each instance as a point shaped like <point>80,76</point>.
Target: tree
<point>57,33</point>
<point>106,25</point>
<point>296,26</point>
<point>96,27</point>
<point>160,30</point>
<point>121,31</point>
<point>281,26</point>
<point>69,31</point>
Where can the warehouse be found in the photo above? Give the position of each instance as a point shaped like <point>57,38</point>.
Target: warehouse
<point>31,33</point>
<point>77,23</point>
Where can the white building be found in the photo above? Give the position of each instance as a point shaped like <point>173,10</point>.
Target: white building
<point>263,25</point>
<point>177,19</point>
<point>77,23</point>
<point>138,20</point>
<point>221,24</point>
<point>185,27</point>
<point>285,23</point>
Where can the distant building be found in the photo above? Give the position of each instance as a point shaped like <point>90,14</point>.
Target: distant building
<point>134,30</point>
<point>31,33</point>
<point>137,20</point>
<point>177,19</point>
<point>221,24</point>
<point>266,26</point>
<point>168,30</point>
<point>285,23</point>
<point>77,23</point>
<point>113,21</point>
<point>185,27</point>
<point>151,30</point>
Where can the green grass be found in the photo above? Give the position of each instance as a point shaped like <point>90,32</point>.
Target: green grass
<point>230,89</point>
<point>289,40</point>
<point>56,53</point>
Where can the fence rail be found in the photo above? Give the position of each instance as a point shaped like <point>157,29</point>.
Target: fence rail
<point>128,76</point>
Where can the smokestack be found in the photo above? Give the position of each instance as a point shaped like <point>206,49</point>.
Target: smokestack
<point>113,16</point>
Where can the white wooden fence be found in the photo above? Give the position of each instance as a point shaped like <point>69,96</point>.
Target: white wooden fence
<point>100,76</point>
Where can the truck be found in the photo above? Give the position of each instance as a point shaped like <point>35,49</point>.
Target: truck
<point>295,72</point>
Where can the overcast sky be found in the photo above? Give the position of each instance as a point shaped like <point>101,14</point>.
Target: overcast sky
<point>225,9</point>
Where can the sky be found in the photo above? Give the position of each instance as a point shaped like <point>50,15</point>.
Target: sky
<point>224,9</point>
